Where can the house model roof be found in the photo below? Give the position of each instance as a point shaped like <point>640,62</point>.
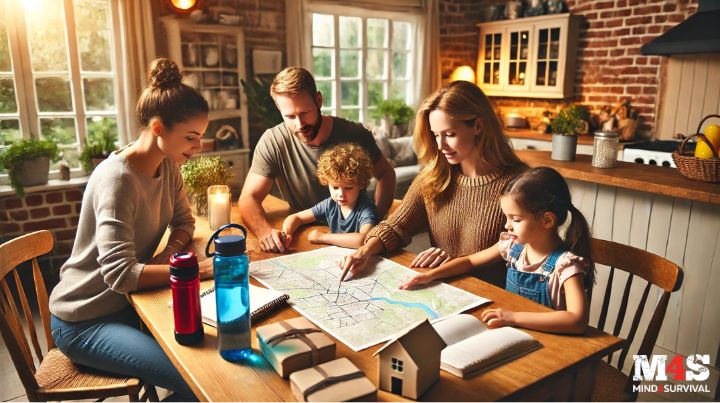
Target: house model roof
<point>418,340</point>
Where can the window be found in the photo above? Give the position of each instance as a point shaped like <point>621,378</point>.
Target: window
<point>396,365</point>
<point>360,58</point>
<point>58,76</point>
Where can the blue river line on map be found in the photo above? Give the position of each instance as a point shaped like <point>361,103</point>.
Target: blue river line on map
<point>424,307</point>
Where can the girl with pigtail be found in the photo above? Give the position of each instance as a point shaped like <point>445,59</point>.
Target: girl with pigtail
<point>542,266</point>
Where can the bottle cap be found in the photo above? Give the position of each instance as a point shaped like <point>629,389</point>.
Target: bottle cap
<point>230,245</point>
<point>184,265</point>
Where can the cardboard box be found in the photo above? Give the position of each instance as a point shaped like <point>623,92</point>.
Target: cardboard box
<point>294,344</point>
<point>338,380</point>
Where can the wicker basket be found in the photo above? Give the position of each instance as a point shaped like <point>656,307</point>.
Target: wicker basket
<point>700,169</point>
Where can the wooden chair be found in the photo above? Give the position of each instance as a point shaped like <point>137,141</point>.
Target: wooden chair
<point>610,383</point>
<point>56,377</point>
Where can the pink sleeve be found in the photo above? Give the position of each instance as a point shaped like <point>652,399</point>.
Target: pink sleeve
<point>505,244</point>
<point>569,265</point>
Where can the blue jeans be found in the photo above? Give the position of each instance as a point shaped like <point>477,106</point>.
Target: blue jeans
<point>115,344</point>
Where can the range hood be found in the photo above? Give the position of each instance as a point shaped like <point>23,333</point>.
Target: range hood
<point>697,34</point>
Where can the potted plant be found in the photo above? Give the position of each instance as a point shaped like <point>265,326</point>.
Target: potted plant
<point>394,113</point>
<point>99,144</point>
<point>28,163</point>
<point>570,121</point>
<point>200,173</point>
<point>260,102</point>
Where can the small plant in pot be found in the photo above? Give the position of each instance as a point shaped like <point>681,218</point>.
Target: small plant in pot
<point>28,163</point>
<point>199,174</point>
<point>394,113</point>
<point>570,121</point>
<point>100,143</point>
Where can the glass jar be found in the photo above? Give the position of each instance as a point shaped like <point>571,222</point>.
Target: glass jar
<point>605,149</point>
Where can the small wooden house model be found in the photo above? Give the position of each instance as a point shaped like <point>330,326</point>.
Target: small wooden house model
<point>410,363</point>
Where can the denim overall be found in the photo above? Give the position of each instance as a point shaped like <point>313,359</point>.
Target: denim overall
<point>532,286</point>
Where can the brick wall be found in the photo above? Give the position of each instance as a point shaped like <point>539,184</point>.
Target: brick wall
<point>263,23</point>
<point>610,66</point>
<point>54,210</point>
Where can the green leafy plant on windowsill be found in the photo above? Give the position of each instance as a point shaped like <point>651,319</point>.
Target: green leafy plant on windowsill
<point>100,143</point>
<point>17,156</point>
<point>199,174</point>
<point>397,110</point>
<point>571,121</point>
<point>257,92</point>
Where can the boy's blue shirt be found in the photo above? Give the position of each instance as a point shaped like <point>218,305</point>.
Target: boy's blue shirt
<point>328,212</point>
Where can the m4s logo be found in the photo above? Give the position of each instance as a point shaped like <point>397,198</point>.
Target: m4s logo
<point>657,368</point>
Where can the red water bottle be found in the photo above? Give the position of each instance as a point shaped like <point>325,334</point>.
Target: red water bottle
<point>185,286</point>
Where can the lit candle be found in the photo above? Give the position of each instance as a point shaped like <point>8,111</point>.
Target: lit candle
<point>218,206</point>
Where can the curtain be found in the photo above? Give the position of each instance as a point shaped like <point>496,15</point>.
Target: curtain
<point>428,56</point>
<point>297,26</point>
<point>137,51</point>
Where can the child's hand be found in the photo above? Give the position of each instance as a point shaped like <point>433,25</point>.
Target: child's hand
<point>417,280</point>
<point>288,228</point>
<point>315,236</point>
<point>431,258</point>
<point>497,317</point>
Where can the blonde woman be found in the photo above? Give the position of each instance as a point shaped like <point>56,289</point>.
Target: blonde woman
<point>467,161</point>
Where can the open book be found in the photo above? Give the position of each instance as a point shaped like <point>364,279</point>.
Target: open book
<point>473,348</point>
<point>262,301</point>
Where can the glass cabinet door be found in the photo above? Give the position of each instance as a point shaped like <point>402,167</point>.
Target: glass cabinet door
<point>518,59</point>
<point>491,58</point>
<point>548,55</point>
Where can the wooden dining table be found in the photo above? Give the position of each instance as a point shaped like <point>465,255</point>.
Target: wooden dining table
<point>563,369</point>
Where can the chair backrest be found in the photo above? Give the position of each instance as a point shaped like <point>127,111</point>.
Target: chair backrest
<point>657,271</point>
<point>12,254</point>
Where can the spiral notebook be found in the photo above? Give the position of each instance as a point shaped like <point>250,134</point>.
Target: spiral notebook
<point>262,301</point>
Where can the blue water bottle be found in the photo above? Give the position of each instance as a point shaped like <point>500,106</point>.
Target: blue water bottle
<point>232,293</point>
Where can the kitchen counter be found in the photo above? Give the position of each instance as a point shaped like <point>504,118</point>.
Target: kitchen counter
<point>628,175</point>
<point>533,135</point>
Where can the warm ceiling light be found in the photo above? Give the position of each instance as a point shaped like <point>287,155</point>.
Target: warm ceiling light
<point>183,6</point>
<point>463,73</point>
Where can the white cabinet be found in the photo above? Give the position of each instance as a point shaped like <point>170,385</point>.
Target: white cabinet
<point>212,60</point>
<point>528,57</point>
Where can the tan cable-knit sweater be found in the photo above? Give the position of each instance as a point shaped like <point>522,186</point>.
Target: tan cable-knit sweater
<point>469,221</point>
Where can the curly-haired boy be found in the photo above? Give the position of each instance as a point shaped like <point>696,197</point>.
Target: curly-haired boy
<point>346,170</point>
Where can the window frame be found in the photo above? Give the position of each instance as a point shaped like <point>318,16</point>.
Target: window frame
<point>24,78</point>
<point>414,19</point>
<point>397,365</point>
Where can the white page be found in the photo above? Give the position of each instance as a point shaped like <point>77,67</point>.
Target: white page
<point>458,327</point>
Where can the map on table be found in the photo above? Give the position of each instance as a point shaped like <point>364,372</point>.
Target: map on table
<point>362,311</point>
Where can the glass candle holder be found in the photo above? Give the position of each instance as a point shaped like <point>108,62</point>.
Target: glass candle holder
<point>218,198</point>
<point>605,149</point>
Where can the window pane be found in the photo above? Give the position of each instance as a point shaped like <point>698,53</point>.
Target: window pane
<point>322,63</point>
<point>9,131</point>
<point>377,33</point>
<point>99,94</point>
<point>326,89</point>
<point>351,114</point>
<point>401,35</point>
<point>375,93</point>
<point>5,63</point>
<point>71,154</point>
<point>399,90</point>
<point>400,64</point>
<point>349,32</point>
<point>92,21</point>
<point>100,128</point>
<point>46,34</point>
<point>322,30</point>
<point>349,63</point>
<point>53,94</point>
<point>375,64</point>
<point>7,96</point>
<point>328,111</point>
<point>350,93</point>
<point>59,130</point>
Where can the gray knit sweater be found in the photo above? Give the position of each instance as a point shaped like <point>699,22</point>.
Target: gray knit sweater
<point>122,221</point>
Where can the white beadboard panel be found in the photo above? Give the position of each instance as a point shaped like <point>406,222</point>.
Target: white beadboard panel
<point>584,196</point>
<point>710,324</point>
<point>677,239</point>
<point>699,252</point>
<point>624,201</point>
<point>601,229</point>
<point>691,90</point>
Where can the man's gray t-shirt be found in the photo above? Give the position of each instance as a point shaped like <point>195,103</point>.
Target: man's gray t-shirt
<point>328,212</point>
<point>279,155</point>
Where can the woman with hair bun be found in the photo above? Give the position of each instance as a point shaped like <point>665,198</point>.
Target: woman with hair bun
<point>130,200</point>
